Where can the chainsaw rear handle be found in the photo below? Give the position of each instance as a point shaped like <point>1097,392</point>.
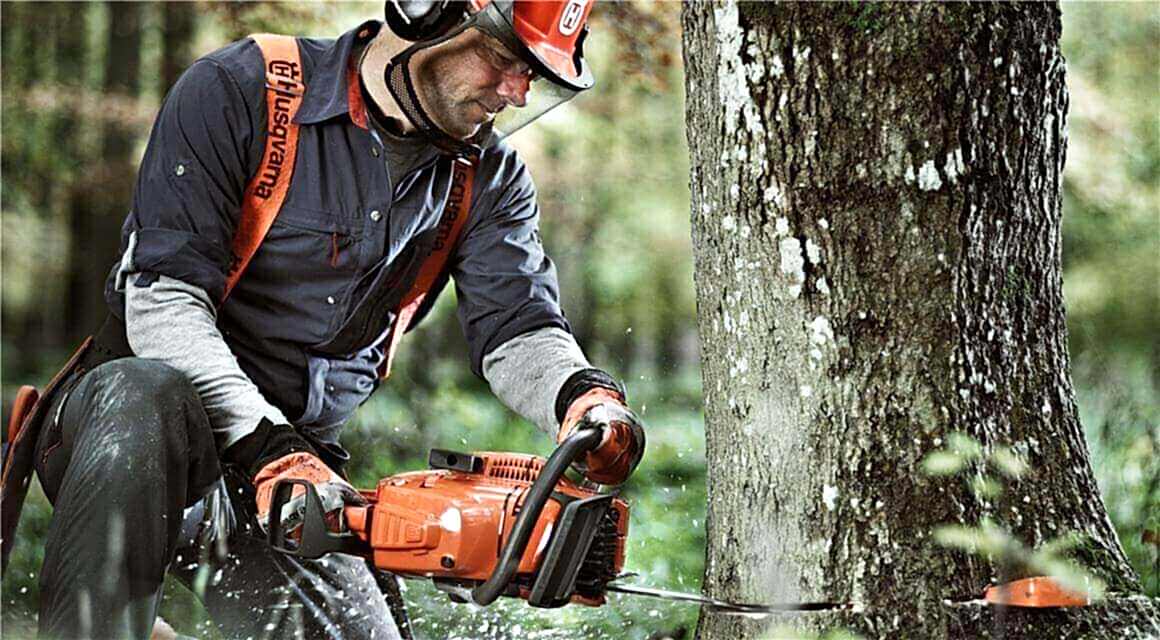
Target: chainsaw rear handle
<point>315,539</point>
<point>578,444</point>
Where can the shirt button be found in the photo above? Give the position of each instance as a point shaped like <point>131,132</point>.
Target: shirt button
<point>375,151</point>
<point>329,299</point>
<point>179,170</point>
<point>376,216</point>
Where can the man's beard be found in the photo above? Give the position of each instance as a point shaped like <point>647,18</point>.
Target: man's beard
<point>455,115</point>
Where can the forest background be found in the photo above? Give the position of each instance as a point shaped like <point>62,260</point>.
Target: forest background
<point>82,82</point>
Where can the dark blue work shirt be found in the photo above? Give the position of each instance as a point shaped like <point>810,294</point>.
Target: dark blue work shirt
<point>307,320</point>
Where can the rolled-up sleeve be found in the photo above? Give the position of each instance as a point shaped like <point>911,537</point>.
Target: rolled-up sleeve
<point>506,285</point>
<point>190,185</point>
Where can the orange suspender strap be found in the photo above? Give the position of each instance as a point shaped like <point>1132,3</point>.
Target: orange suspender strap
<point>451,223</point>
<point>267,190</point>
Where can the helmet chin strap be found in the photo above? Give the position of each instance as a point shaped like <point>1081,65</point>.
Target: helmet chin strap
<point>401,85</point>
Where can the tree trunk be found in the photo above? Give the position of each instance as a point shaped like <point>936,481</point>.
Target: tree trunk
<point>17,22</point>
<point>102,199</point>
<point>876,231</point>
<point>45,322</point>
<point>179,24</point>
<point>11,19</point>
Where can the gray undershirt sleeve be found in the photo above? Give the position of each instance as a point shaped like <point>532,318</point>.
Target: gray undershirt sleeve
<point>526,373</point>
<point>175,323</point>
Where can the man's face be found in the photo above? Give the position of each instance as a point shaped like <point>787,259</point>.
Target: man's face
<point>465,82</point>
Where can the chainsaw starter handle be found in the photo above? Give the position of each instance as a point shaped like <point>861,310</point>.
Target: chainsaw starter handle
<point>577,444</point>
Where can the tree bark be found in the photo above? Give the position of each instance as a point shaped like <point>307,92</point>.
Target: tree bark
<point>876,231</point>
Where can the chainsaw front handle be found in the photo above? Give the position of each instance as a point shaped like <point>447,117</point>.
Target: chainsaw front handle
<point>583,440</point>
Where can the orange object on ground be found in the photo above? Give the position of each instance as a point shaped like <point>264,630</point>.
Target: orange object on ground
<point>1040,591</point>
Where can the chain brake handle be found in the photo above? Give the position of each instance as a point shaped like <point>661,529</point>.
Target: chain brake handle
<point>584,439</point>
<point>315,538</point>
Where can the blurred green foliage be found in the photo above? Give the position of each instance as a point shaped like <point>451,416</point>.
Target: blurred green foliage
<point>1112,179</point>
<point>612,172</point>
<point>1111,254</point>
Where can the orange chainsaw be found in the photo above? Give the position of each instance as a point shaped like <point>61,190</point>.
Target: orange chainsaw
<point>485,525</point>
<point>480,525</point>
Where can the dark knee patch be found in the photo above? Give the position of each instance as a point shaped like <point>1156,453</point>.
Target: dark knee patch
<point>136,380</point>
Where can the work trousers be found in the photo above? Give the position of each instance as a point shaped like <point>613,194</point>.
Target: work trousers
<point>126,456</point>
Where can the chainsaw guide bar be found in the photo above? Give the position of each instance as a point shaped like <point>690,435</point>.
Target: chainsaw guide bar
<point>723,606</point>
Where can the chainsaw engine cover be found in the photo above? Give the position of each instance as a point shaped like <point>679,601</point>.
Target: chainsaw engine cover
<point>451,524</point>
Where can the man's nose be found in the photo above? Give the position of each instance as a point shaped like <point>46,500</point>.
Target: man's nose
<point>513,88</point>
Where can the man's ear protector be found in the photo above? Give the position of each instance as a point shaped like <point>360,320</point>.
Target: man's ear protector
<point>417,20</point>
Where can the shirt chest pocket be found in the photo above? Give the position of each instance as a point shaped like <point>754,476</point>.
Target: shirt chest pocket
<point>305,270</point>
<point>314,244</point>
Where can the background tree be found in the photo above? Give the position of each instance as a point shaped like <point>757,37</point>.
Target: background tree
<point>97,202</point>
<point>38,174</point>
<point>876,232</point>
<point>178,29</point>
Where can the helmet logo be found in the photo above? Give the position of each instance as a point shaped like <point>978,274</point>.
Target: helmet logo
<point>570,19</point>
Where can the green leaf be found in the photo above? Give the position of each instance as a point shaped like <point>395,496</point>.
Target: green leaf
<point>985,487</point>
<point>1060,545</point>
<point>995,541</point>
<point>1071,575</point>
<point>1008,462</point>
<point>942,463</point>
<point>841,634</point>
<point>958,536</point>
<point>964,445</point>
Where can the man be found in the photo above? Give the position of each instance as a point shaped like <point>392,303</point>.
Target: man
<point>190,409</point>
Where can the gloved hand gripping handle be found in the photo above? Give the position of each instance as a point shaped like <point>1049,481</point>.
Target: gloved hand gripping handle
<point>579,443</point>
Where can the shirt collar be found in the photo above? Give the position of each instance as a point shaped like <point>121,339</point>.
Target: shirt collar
<point>333,86</point>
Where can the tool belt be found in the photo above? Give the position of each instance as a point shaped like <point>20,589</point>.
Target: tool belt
<point>28,415</point>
